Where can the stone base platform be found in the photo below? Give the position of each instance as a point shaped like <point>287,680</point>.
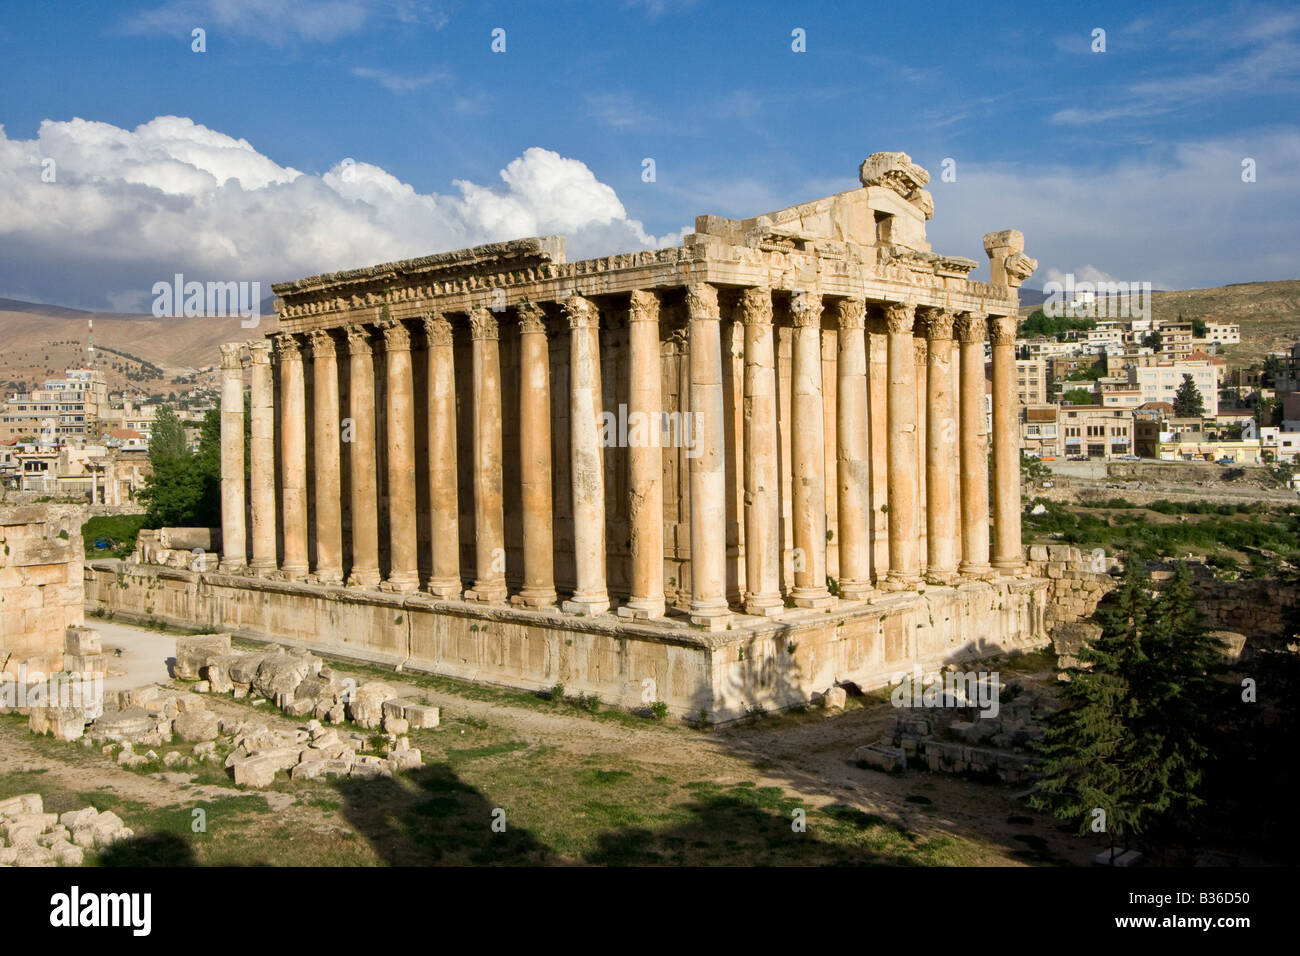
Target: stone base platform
<point>759,662</point>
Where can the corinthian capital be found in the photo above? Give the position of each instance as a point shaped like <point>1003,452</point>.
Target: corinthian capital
<point>643,306</point>
<point>1002,329</point>
<point>438,329</point>
<point>899,317</point>
<point>970,327</point>
<point>482,323</point>
<point>322,345</point>
<point>396,337</point>
<point>756,306</point>
<point>259,352</point>
<point>938,324</point>
<point>581,312</point>
<point>852,313</point>
<point>806,309</point>
<point>532,317</point>
<point>231,355</point>
<point>701,301</point>
<point>286,348</point>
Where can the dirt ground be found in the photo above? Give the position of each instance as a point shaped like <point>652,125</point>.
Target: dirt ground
<point>579,788</point>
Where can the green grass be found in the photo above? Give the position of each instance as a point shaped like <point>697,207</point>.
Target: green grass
<point>119,530</point>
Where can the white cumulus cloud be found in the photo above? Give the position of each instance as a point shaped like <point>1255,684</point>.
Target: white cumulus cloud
<point>128,208</point>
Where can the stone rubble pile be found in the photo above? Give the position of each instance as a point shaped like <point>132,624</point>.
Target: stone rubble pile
<point>961,740</point>
<point>312,752</point>
<point>31,837</point>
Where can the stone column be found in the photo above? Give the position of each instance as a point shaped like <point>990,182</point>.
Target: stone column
<point>586,470</point>
<point>971,331</point>
<point>904,572</point>
<point>709,607</point>
<point>940,451</point>
<point>920,352</point>
<point>233,510</point>
<point>535,455</point>
<point>261,457</point>
<point>444,503</point>
<point>364,571</point>
<point>808,454</point>
<point>489,497</point>
<point>762,480</point>
<point>326,470</point>
<point>403,571</point>
<point>878,390</point>
<point>293,456</point>
<point>853,452</point>
<point>1008,555</point>
<point>645,459</point>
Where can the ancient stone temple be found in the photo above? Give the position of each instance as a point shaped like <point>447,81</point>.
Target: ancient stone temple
<point>727,474</point>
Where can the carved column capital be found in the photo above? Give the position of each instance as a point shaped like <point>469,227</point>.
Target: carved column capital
<point>899,317</point>
<point>702,301</point>
<point>581,312</point>
<point>232,355</point>
<point>437,328</point>
<point>938,324</point>
<point>1002,329</point>
<point>532,317</point>
<point>322,343</point>
<point>806,309</point>
<point>643,306</point>
<point>852,313</point>
<point>920,348</point>
<point>287,348</point>
<point>358,339</point>
<point>970,326</point>
<point>396,336</point>
<point>483,324</point>
<point>756,306</point>
<point>259,352</point>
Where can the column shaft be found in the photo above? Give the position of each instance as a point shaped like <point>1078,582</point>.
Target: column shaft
<point>293,456</point>
<point>587,472</point>
<point>535,459</point>
<point>1008,555</point>
<point>853,452</point>
<point>326,469</point>
<point>762,479</point>
<point>709,607</point>
<point>489,497</point>
<point>403,570</point>
<point>974,448</point>
<point>261,454</point>
<point>878,390</point>
<point>940,451</point>
<point>903,482</point>
<point>233,509</point>
<point>645,459</point>
<point>363,471</point>
<point>444,503</point>
<point>808,453</point>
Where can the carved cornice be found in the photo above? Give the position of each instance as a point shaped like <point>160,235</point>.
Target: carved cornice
<point>532,317</point>
<point>1002,329</point>
<point>805,310</point>
<point>852,313</point>
<point>900,317</point>
<point>232,356</point>
<point>756,306</point>
<point>702,301</point>
<point>581,313</point>
<point>971,326</point>
<point>643,306</point>
<point>483,324</point>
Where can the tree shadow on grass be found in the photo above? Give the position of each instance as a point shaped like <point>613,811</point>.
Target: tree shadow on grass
<point>430,816</point>
<point>151,849</point>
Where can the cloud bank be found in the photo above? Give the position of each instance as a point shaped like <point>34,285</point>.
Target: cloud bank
<point>92,215</point>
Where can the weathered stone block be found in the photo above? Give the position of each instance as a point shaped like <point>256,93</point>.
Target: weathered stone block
<point>196,652</point>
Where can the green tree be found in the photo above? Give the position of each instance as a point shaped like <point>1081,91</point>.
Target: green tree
<point>185,487</point>
<point>1078,396</point>
<point>1188,402</point>
<point>1199,330</point>
<point>1152,340</point>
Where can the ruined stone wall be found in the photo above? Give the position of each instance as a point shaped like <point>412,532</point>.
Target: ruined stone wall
<point>1080,578</point>
<point>41,583</point>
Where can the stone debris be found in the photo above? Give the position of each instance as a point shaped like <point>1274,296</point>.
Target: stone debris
<point>31,837</point>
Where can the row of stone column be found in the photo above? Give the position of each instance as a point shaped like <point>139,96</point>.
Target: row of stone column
<point>949,499</point>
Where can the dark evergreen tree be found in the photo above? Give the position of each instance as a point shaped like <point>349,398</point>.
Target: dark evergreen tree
<point>1188,402</point>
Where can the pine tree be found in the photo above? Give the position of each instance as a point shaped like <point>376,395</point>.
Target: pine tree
<point>1188,402</point>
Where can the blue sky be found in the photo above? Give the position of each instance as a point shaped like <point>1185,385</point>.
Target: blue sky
<point>1126,163</point>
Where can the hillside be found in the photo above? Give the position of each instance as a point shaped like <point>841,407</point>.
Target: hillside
<point>140,351</point>
<point>1268,312</point>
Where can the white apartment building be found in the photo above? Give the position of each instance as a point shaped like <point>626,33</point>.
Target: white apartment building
<point>1159,383</point>
<point>1223,333</point>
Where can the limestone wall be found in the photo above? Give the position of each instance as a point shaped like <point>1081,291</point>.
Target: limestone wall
<point>41,582</point>
<point>766,664</point>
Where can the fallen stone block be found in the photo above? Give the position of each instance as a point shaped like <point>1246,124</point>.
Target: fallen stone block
<point>420,716</point>
<point>881,757</point>
<point>198,651</point>
<point>367,705</point>
<point>396,725</point>
<point>400,760</point>
<point>82,641</point>
<point>196,726</point>
<point>835,698</point>
<point>62,723</point>
<point>257,771</point>
<point>23,803</point>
